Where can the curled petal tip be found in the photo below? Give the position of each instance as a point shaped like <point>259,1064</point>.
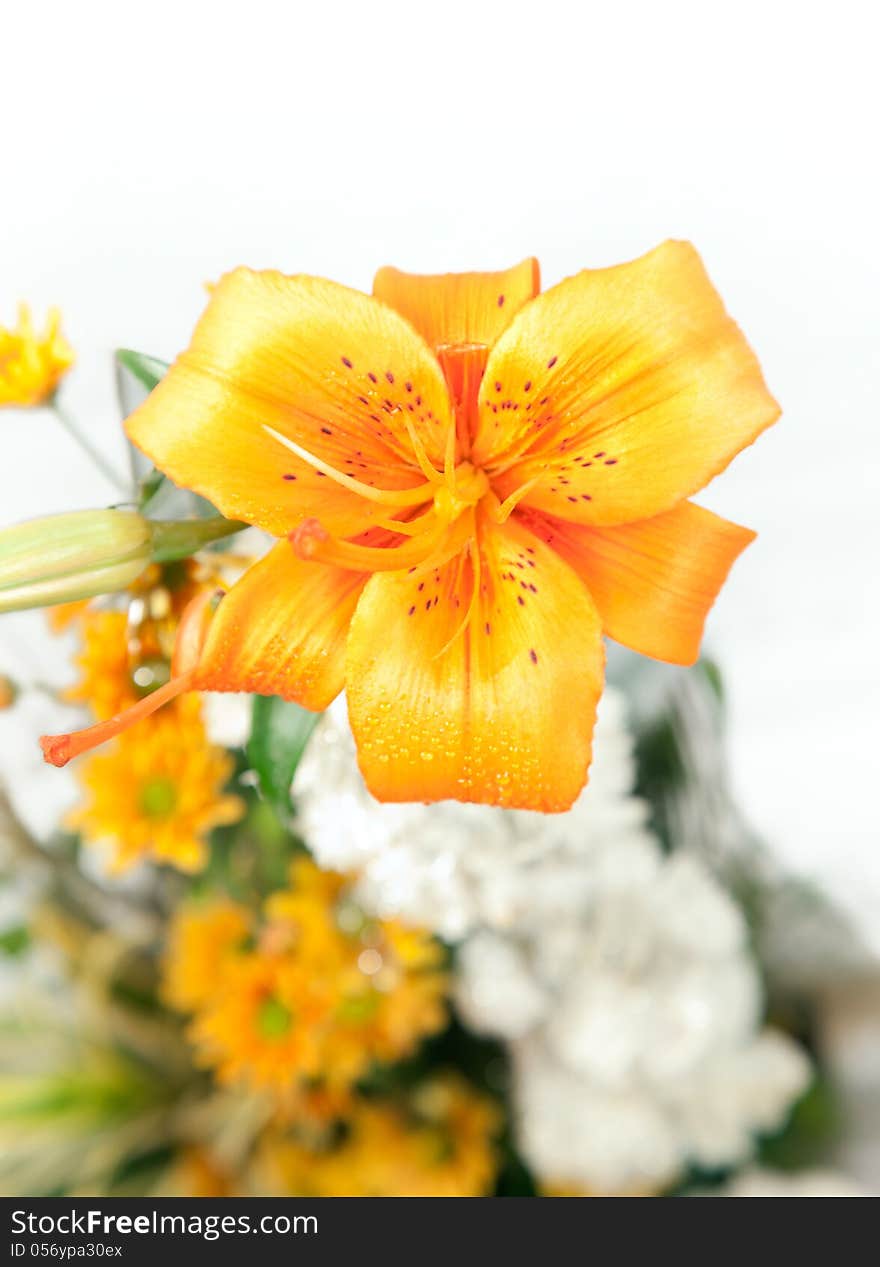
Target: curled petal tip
<point>56,749</point>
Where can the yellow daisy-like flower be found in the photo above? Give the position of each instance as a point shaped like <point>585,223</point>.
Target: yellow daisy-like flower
<point>204,937</point>
<point>126,654</point>
<point>264,1024</point>
<point>324,993</point>
<point>105,681</point>
<point>158,792</point>
<point>440,1143</point>
<point>31,364</point>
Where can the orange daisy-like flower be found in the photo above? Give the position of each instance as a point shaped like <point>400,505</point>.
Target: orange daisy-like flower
<point>471,482</point>
<point>321,993</point>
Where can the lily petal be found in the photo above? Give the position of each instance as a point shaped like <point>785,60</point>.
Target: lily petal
<point>620,392</point>
<point>653,581</point>
<point>330,369</point>
<point>500,711</point>
<point>281,630</point>
<point>459,308</point>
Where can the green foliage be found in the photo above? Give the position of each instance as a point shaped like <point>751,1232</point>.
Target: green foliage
<point>810,1132</point>
<point>251,858</point>
<point>661,771</point>
<point>14,941</point>
<point>147,371</point>
<point>668,707</point>
<point>280,731</point>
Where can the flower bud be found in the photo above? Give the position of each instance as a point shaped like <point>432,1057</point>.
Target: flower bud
<point>61,558</point>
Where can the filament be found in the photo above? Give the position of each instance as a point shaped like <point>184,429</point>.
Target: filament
<point>449,458</point>
<point>311,541</point>
<point>476,578</point>
<point>421,455</point>
<point>387,496</point>
<point>502,511</point>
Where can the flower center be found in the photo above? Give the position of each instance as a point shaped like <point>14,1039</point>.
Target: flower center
<point>158,797</point>
<point>273,1018</point>
<point>467,486</point>
<point>431,522</point>
<point>357,1009</point>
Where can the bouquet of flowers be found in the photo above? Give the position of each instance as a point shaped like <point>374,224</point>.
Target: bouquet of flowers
<point>327,902</point>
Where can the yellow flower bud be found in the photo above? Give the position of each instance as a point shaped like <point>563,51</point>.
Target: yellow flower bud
<point>61,558</point>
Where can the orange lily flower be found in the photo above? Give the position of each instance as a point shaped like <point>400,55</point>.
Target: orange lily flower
<point>470,481</point>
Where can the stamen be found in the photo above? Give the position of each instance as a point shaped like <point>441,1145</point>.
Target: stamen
<point>449,459</point>
<point>501,511</point>
<point>386,496</point>
<point>406,527</point>
<point>422,458</point>
<point>476,569</point>
<point>447,550</point>
<point>311,541</point>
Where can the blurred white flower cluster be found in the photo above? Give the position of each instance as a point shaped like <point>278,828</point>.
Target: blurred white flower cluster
<point>804,1183</point>
<point>457,868</point>
<point>620,977</point>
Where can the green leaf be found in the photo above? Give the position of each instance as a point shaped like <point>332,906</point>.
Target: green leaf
<point>136,376</point>
<point>14,941</point>
<point>147,370</point>
<point>279,733</point>
<point>711,673</point>
<point>150,486</point>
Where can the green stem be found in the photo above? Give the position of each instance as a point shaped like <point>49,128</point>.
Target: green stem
<point>88,448</point>
<point>178,539</point>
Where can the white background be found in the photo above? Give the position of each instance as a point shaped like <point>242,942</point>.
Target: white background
<point>146,149</point>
